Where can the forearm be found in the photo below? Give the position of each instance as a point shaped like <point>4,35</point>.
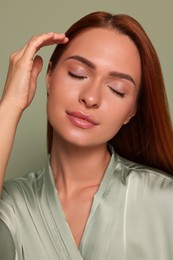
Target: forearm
<point>9,118</point>
<point>19,90</point>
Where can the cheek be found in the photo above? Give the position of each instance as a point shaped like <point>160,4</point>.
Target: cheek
<point>61,95</point>
<point>120,112</point>
<point>61,86</point>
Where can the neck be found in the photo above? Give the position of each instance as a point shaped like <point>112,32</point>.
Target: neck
<point>77,167</point>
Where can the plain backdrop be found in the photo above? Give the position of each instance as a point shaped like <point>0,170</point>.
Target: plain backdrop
<point>21,19</point>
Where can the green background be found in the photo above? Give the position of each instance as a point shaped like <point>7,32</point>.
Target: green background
<point>21,19</point>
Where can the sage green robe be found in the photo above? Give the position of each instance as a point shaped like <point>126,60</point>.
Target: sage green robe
<point>131,217</point>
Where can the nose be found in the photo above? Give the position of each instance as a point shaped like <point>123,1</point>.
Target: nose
<point>90,95</point>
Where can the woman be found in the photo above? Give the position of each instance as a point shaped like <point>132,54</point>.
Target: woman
<point>105,96</point>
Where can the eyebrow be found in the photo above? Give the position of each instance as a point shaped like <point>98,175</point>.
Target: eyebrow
<point>91,65</point>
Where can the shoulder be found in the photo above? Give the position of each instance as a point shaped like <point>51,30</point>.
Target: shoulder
<point>21,198</point>
<point>23,188</point>
<point>29,180</point>
<point>147,205</point>
<point>148,193</point>
<point>144,176</point>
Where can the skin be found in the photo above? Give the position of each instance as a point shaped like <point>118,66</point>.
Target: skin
<point>96,93</point>
<point>92,95</point>
<point>75,85</point>
<point>19,90</point>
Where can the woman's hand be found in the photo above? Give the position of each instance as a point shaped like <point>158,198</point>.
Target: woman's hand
<point>19,90</point>
<point>23,71</point>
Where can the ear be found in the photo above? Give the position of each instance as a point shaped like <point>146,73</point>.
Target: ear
<point>48,77</point>
<point>132,114</point>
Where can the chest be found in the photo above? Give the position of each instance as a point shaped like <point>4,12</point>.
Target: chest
<point>77,209</point>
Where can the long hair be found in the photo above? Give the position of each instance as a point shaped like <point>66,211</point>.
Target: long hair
<point>148,137</point>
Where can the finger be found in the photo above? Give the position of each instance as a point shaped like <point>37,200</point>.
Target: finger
<point>37,42</point>
<point>40,41</point>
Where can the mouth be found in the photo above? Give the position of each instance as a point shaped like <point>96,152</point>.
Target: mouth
<point>81,120</point>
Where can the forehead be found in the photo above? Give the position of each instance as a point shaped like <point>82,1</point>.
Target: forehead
<point>107,49</point>
<point>100,38</point>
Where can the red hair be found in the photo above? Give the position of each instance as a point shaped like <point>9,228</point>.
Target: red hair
<point>148,137</point>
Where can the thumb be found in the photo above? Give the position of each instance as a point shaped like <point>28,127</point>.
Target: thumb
<point>37,66</point>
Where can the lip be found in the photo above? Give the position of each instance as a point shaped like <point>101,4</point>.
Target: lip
<point>81,119</point>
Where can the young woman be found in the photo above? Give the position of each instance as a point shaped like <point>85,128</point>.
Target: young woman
<point>106,190</point>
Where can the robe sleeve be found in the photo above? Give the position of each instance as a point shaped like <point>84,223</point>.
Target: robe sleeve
<point>7,248</point>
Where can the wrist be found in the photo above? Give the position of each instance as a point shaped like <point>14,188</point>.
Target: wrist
<point>8,109</point>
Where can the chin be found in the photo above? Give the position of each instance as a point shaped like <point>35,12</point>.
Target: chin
<point>77,140</point>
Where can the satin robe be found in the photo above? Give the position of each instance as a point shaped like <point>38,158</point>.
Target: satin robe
<point>131,217</point>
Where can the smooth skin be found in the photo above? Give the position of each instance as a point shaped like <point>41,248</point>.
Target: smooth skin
<point>92,92</point>
<point>106,92</point>
<point>20,89</point>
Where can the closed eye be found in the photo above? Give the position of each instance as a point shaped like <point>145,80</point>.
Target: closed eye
<point>121,94</point>
<point>76,76</point>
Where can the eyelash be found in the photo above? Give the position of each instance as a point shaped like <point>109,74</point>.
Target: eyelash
<point>117,92</point>
<point>79,77</point>
<point>76,76</point>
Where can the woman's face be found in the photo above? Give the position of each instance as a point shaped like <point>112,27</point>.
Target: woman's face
<point>94,87</point>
